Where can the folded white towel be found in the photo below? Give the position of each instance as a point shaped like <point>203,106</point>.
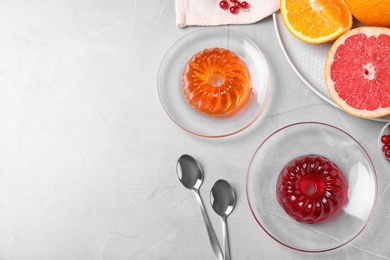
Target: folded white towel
<point>208,12</point>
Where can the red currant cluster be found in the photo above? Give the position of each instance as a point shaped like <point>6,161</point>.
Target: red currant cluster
<point>386,144</point>
<point>236,5</point>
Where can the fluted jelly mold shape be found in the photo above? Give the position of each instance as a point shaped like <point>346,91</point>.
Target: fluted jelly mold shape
<point>311,188</point>
<point>216,82</point>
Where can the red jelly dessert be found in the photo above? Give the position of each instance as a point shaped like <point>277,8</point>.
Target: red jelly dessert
<point>216,82</point>
<point>311,188</point>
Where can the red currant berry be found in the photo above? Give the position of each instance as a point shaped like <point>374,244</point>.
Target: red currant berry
<point>385,147</point>
<point>385,139</point>
<point>244,5</point>
<point>234,9</point>
<point>224,4</point>
<point>387,154</point>
<point>234,1</point>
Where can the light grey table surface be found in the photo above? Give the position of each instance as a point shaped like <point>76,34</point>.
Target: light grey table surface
<point>88,155</point>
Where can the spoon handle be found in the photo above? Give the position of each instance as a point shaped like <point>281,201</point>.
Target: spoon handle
<point>226,239</point>
<point>212,236</point>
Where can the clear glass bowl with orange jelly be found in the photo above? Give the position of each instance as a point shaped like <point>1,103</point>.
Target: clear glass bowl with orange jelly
<point>214,82</point>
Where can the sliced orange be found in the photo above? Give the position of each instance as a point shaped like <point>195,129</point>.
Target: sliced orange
<point>316,21</point>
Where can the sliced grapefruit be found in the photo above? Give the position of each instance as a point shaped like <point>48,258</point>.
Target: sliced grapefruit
<point>316,21</point>
<point>357,72</point>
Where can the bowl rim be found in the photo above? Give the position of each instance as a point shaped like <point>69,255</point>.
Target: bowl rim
<point>370,162</point>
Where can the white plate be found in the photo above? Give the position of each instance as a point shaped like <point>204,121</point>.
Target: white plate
<point>307,60</point>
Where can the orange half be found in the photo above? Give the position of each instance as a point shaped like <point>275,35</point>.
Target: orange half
<point>316,21</point>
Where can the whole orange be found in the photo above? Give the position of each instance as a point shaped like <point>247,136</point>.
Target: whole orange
<point>371,12</point>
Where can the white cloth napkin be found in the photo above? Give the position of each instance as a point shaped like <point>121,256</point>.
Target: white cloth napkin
<point>208,12</point>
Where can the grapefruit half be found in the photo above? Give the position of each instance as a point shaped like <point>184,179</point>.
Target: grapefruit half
<point>357,72</point>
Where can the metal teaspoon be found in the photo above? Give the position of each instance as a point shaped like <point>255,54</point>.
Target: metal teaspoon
<point>222,200</point>
<point>190,175</point>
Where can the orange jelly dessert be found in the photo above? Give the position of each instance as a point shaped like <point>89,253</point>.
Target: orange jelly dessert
<point>216,82</point>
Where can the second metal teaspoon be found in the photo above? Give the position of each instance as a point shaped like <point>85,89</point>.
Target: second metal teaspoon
<point>222,200</point>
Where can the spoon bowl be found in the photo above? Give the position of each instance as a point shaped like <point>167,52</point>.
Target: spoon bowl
<point>189,172</point>
<point>223,200</point>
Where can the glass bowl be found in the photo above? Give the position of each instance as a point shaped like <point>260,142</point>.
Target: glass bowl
<point>300,139</point>
<point>385,131</point>
<point>170,89</point>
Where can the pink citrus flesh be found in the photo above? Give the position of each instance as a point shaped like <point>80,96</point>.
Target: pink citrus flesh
<point>357,73</point>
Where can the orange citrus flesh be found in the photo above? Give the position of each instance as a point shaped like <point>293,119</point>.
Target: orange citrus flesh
<point>357,72</point>
<point>370,12</point>
<point>316,21</point>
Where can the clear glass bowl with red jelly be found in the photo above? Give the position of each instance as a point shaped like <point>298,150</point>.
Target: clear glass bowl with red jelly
<point>311,186</point>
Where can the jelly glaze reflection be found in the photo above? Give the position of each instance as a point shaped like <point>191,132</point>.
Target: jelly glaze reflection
<point>216,82</point>
<point>311,188</point>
